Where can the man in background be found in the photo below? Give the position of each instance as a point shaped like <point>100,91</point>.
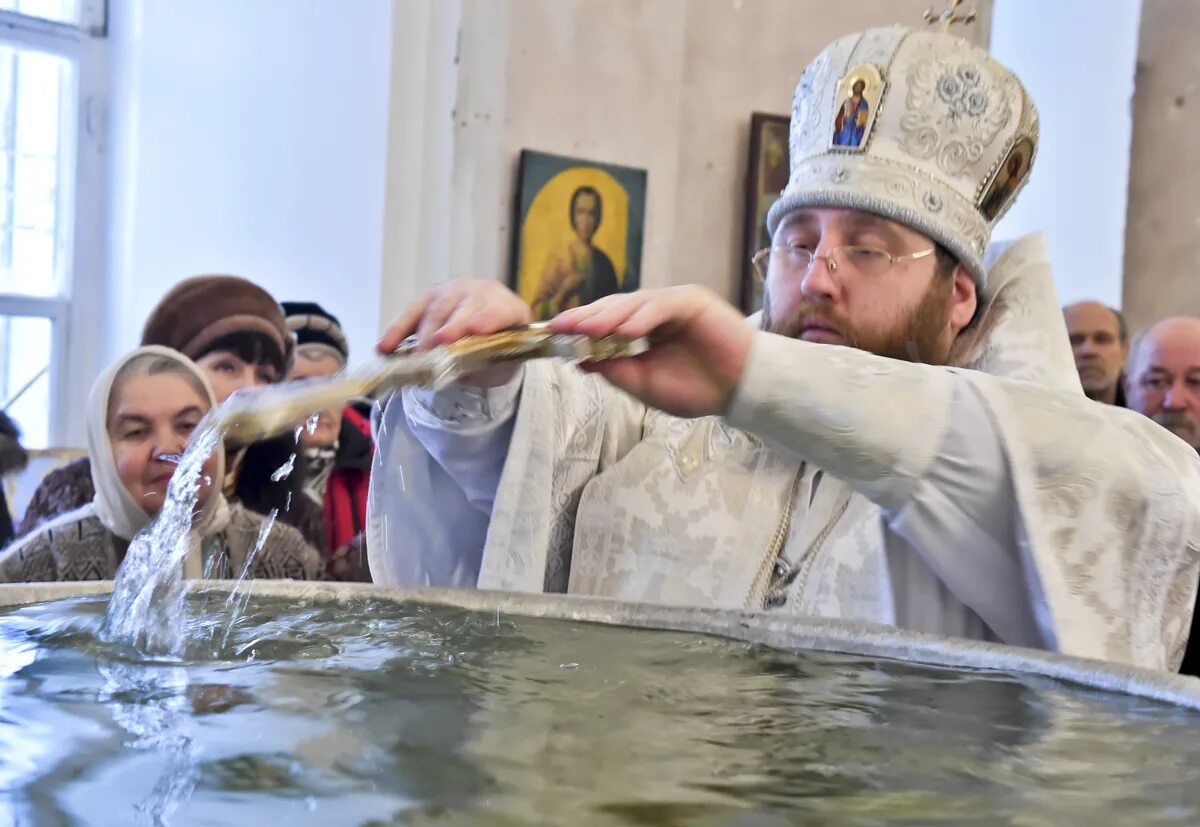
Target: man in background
<point>1163,383</point>
<point>1163,379</point>
<point>1100,342</point>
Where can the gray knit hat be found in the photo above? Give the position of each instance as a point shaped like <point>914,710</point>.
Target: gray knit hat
<point>923,128</point>
<point>316,330</point>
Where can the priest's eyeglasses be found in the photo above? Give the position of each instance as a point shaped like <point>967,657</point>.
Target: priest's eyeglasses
<point>796,261</point>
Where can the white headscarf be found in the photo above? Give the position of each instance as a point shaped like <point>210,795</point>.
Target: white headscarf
<point>114,505</point>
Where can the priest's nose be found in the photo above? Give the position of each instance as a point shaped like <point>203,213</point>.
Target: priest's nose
<point>818,282</point>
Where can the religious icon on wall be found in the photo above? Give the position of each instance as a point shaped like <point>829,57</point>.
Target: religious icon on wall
<point>579,229</point>
<point>766,176</point>
<point>1007,180</point>
<point>857,100</point>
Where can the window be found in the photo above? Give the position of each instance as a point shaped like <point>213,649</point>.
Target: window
<point>49,64</point>
<point>60,11</point>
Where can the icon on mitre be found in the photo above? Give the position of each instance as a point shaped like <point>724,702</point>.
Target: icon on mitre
<point>859,93</point>
<point>1007,180</point>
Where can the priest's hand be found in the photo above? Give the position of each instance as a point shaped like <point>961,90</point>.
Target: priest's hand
<point>699,346</point>
<point>456,309</point>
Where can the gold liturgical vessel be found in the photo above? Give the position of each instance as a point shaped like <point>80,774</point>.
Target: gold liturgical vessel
<point>252,415</point>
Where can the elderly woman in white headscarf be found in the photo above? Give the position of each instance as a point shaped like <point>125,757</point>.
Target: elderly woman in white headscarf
<point>142,411</point>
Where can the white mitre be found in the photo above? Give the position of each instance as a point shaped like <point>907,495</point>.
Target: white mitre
<point>921,127</point>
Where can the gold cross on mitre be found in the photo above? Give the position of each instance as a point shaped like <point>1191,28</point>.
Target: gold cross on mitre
<point>948,17</point>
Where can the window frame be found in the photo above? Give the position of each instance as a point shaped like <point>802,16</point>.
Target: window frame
<point>72,312</point>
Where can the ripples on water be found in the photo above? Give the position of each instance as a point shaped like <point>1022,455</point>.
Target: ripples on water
<point>370,713</point>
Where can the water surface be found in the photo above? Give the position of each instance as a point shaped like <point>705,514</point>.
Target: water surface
<point>373,713</point>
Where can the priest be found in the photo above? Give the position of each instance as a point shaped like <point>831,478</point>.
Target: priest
<point>900,436</point>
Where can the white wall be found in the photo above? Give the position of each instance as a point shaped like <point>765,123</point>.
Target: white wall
<point>420,152</point>
<point>663,85</point>
<point>249,138</point>
<point>1078,63</point>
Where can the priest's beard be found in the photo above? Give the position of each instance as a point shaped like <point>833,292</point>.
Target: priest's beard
<point>919,338</point>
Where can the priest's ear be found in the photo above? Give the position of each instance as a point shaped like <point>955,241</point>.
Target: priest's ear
<point>965,301</point>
